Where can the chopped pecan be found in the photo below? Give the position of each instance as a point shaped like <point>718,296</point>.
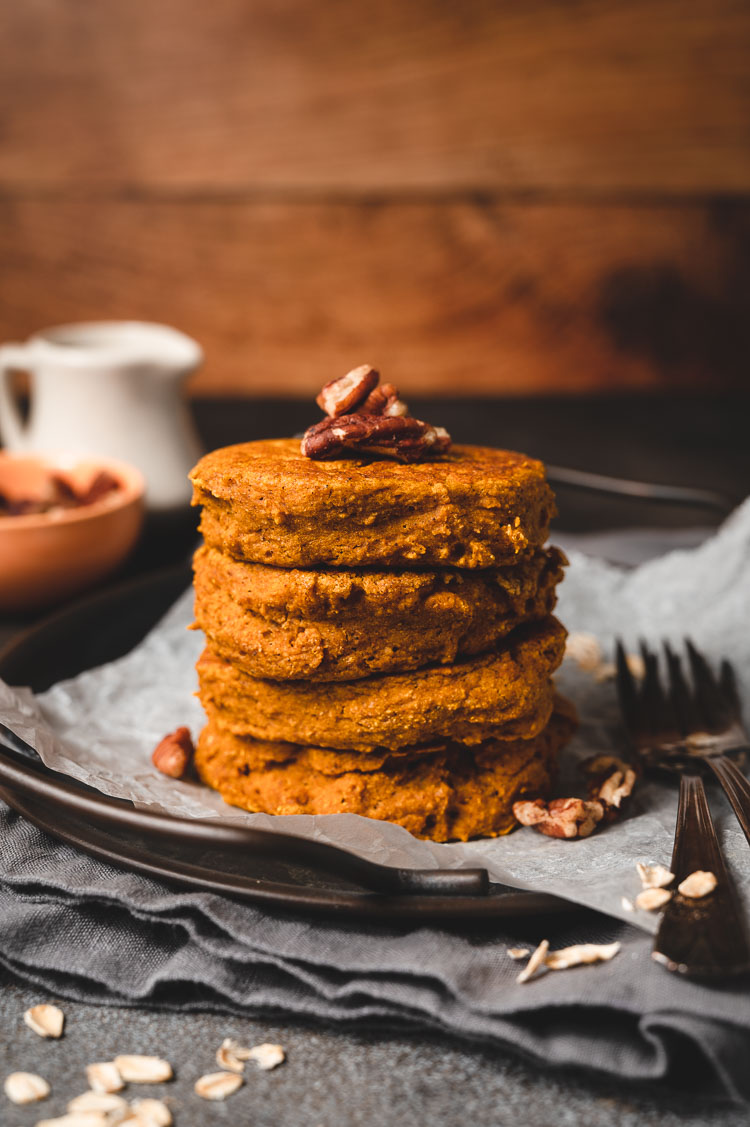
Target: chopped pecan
<point>398,437</point>
<point>611,781</point>
<point>601,766</point>
<point>384,400</point>
<point>59,489</point>
<point>617,787</point>
<point>82,485</point>
<point>346,394</point>
<point>563,817</point>
<point>174,754</point>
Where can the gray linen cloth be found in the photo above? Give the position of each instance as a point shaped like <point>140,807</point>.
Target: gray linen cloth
<point>83,929</point>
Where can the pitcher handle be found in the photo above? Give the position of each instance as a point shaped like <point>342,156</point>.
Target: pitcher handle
<point>12,429</point>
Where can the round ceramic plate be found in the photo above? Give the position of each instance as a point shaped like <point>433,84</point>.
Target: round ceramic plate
<point>262,866</point>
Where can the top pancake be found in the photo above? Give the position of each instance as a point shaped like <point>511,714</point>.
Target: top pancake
<point>473,507</point>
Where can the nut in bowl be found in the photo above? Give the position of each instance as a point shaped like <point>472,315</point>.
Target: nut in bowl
<point>63,526</point>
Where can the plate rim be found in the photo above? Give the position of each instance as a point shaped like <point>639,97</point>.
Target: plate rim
<point>373,904</point>
<point>514,904</point>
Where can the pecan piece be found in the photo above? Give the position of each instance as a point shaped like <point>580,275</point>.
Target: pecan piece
<point>344,395</point>
<point>563,817</point>
<point>384,400</point>
<point>615,789</point>
<point>174,754</point>
<point>611,781</point>
<point>398,437</point>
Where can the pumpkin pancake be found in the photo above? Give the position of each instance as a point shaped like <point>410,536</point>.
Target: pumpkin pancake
<point>473,507</point>
<point>504,694</point>
<point>446,794</point>
<point>344,624</point>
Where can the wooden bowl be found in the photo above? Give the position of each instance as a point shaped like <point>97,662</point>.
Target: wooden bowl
<point>47,557</point>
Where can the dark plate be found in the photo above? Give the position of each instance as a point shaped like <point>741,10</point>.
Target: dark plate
<point>257,865</point>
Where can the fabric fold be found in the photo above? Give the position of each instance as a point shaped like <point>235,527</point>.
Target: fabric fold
<point>115,936</point>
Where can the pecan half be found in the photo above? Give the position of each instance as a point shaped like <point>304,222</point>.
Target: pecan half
<point>344,395</point>
<point>384,400</point>
<point>563,817</point>
<point>174,754</point>
<point>399,437</point>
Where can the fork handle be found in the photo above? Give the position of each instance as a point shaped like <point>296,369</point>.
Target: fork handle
<point>706,937</point>
<point>736,787</point>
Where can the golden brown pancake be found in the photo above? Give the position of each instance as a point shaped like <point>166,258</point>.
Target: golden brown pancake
<point>505,694</point>
<point>474,507</point>
<point>454,793</point>
<point>336,625</point>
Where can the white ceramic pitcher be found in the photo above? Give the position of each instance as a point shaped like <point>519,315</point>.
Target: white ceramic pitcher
<point>109,388</point>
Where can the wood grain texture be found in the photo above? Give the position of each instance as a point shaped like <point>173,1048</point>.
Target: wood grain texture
<point>452,297</point>
<point>587,96</point>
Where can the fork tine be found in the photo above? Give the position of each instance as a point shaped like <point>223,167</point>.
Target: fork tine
<point>671,718</point>
<point>728,683</point>
<point>709,699</point>
<point>679,694</point>
<point>626,691</point>
<point>653,700</point>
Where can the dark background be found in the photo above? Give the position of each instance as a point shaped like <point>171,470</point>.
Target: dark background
<point>477,197</point>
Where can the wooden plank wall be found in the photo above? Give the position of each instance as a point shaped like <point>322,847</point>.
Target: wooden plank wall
<point>485,196</point>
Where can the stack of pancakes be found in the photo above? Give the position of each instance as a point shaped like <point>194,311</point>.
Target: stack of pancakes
<point>379,636</point>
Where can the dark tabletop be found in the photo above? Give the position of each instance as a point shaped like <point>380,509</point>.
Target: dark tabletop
<point>330,1078</point>
<point>374,1077</point>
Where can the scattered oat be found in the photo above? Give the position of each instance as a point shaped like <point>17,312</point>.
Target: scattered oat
<point>103,1102</point>
<point>519,952</point>
<point>151,1113</point>
<point>143,1070</point>
<point>651,899</point>
<point>218,1085</point>
<point>627,904</point>
<point>654,876</point>
<point>26,1087</point>
<point>104,1076</point>
<point>585,651</point>
<point>581,953</point>
<point>698,884</point>
<point>535,962</point>
<point>267,1056</point>
<point>46,1020</point>
<point>231,1055</point>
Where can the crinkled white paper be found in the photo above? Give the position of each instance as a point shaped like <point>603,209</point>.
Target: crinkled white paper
<point>102,726</point>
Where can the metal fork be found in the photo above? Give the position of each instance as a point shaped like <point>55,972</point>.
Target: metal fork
<point>680,729</point>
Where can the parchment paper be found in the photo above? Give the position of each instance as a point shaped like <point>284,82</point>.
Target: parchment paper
<point>101,727</point>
